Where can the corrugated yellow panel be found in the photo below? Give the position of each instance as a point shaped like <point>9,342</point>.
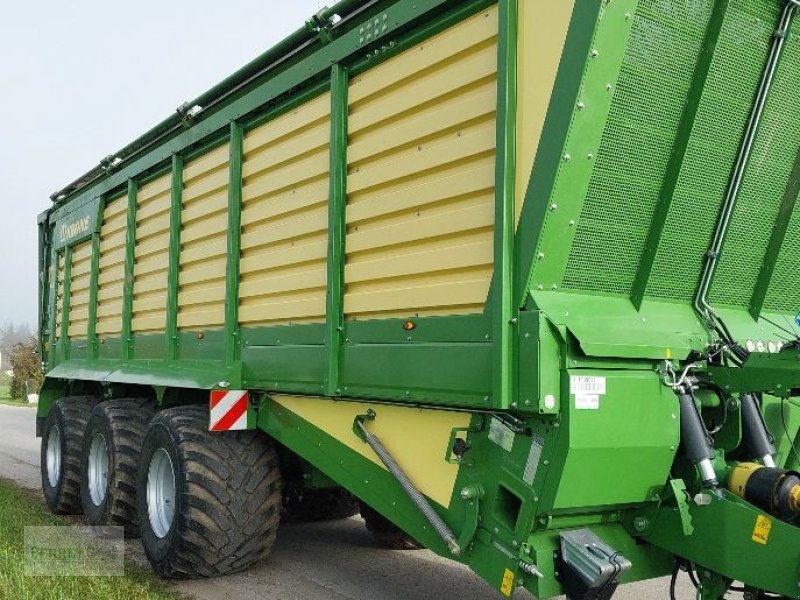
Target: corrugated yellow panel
<point>421,177</point>
<point>59,294</point>
<point>111,279</point>
<point>542,34</point>
<point>153,203</point>
<point>79,290</point>
<point>204,232</point>
<point>283,268</point>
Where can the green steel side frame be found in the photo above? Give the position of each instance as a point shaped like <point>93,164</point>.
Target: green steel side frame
<point>337,205</point>
<point>51,324</point>
<point>232,346</point>
<point>679,150</point>
<point>301,73</point>
<point>174,257</point>
<point>130,265</point>
<point>94,275</point>
<point>503,309</point>
<point>555,133</point>
<point>65,302</point>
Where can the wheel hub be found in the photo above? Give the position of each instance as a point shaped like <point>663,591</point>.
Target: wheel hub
<point>54,456</point>
<point>97,470</point>
<point>161,492</point>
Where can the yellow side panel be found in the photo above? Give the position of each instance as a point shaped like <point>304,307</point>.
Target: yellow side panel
<point>111,279</point>
<point>152,256</point>
<point>423,460</point>
<point>542,34</point>
<point>204,232</point>
<point>79,290</point>
<point>283,266</point>
<point>421,177</point>
<point>59,294</point>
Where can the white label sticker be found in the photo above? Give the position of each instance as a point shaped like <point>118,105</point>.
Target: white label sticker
<point>579,384</point>
<point>501,435</point>
<point>587,401</point>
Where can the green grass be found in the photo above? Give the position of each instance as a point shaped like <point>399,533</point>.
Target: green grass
<point>18,509</point>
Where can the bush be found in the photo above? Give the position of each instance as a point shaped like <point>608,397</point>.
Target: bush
<point>25,363</point>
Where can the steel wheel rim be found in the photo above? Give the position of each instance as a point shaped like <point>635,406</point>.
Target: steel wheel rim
<point>97,469</point>
<point>54,456</point>
<point>161,493</point>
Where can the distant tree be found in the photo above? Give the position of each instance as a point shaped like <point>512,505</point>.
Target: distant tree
<point>25,363</point>
<point>11,334</point>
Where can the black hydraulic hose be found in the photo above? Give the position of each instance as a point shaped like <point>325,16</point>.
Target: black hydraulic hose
<point>756,439</point>
<point>695,443</point>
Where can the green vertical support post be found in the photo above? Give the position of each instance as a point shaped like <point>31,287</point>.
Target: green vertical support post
<point>94,276</point>
<point>679,149</point>
<point>51,354</point>
<point>234,243</point>
<point>130,262</point>
<point>66,302</point>
<point>337,205</point>
<point>174,257</point>
<point>504,309</point>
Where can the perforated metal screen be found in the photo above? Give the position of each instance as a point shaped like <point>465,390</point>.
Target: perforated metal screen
<point>651,94</point>
<point>648,102</point>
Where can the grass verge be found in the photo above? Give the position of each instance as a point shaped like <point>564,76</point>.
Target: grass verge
<point>18,509</point>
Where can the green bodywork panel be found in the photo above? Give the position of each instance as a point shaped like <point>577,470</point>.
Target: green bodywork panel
<point>591,302</point>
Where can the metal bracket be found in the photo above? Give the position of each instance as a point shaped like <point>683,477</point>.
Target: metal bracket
<point>321,25</point>
<point>448,456</point>
<point>358,428</point>
<point>678,488</point>
<point>472,495</point>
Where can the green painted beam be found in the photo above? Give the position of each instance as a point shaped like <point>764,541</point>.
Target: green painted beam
<point>555,134</point>
<point>51,324</point>
<point>679,150</point>
<point>94,275</point>
<point>65,303</point>
<point>232,342</point>
<point>337,205</point>
<point>504,311</point>
<point>776,240</point>
<point>174,257</point>
<point>130,265</point>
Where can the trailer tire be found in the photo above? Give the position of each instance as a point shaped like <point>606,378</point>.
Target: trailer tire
<point>385,533</point>
<point>324,504</point>
<point>60,455</point>
<point>223,512</point>
<point>113,439</point>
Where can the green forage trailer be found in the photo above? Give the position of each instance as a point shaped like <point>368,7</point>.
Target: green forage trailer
<point>520,279</point>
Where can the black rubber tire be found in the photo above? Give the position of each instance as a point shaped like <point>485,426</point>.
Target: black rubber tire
<point>227,496</point>
<point>123,424</point>
<point>385,533</point>
<point>324,504</point>
<point>70,416</point>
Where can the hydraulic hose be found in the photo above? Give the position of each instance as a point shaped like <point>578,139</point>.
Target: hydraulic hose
<point>712,257</point>
<point>756,439</point>
<point>695,443</point>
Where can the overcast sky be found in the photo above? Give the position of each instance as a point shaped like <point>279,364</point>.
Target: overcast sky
<point>82,78</point>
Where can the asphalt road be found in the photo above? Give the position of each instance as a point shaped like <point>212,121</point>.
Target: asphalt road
<point>319,561</point>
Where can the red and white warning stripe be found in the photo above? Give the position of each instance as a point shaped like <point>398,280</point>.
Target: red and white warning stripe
<point>228,410</point>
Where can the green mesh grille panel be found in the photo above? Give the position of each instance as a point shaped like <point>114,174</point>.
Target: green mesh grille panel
<point>648,101</point>
<point>784,293</point>
<point>653,86</point>
<point>763,188</point>
<point>725,106</point>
